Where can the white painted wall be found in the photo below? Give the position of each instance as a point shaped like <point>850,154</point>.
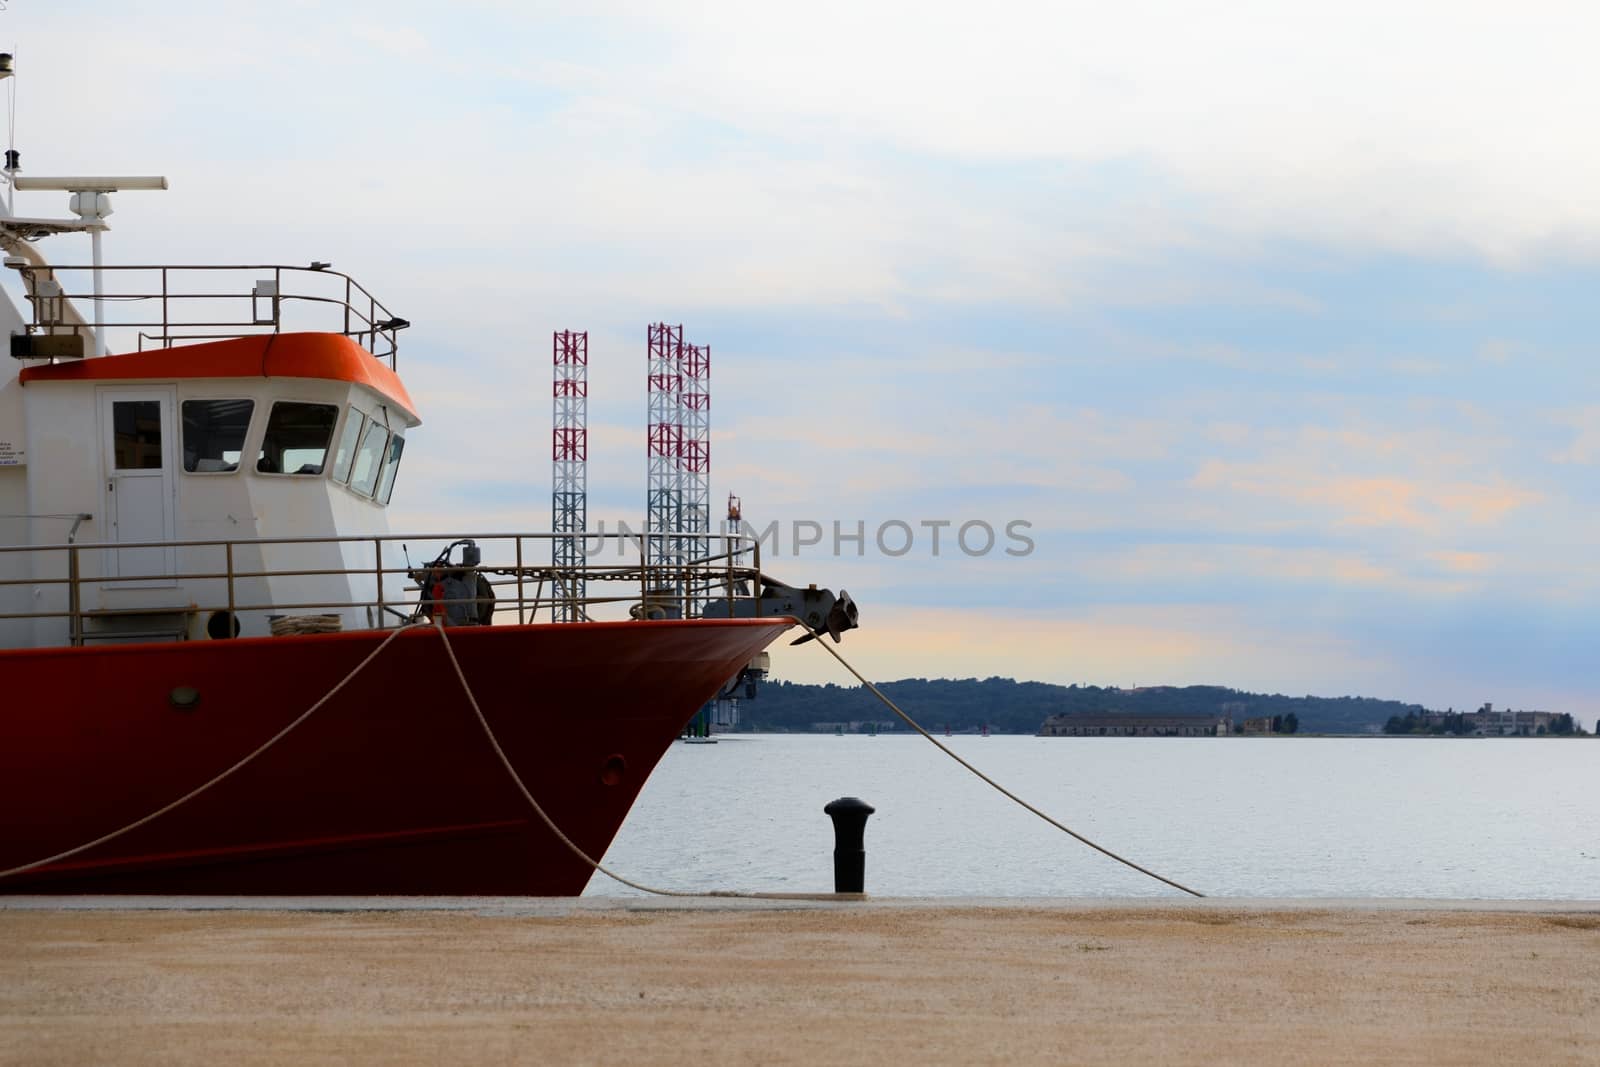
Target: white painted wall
<point>13,483</point>
<point>65,474</point>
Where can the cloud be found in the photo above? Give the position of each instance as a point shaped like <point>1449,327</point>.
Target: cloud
<point>1584,447</point>
<point>1274,318</point>
<point>1463,562</point>
<point>1233,562</point>
<point>1362,474</point>
<point>1369,502</point>
<point>1043,154</point>
<point>1360,124</point>
<point>1122,645</point>
<point>403,41</point>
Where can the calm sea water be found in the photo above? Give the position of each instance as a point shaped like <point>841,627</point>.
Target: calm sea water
<point>1300,817</point>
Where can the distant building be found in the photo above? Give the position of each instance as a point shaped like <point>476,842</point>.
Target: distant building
<point>1491,723</point>
<point>1262,725</point>
<point>854,726</point>
<point>1126,724</point>
<point>1487,722</point>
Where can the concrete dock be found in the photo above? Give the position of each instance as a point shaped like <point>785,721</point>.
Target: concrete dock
<point>611,980</point>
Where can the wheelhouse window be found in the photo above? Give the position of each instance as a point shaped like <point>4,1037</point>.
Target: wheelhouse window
<point>213,434</point>
<point>391,466</point>
<point>344,456</point>
<point>297,438</point>
<point>137,425</point>
<point>369,459</point>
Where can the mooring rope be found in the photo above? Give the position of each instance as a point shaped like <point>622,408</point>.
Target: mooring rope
<point>191,794</point>
<point>545,818</point>
<point>494,743</point>
<point>572,846</point>
<point>595,864</point>
<point>909,721</point>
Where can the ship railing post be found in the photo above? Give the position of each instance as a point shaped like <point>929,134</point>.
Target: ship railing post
<point>75,618</point>
<point>521,603</point>
<point>377,567</point>
<point>644,575</point>
<point>228,550</point>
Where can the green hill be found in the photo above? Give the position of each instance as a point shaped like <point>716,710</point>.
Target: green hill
<point>1009,706</point>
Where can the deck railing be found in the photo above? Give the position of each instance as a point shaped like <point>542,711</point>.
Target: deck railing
<point>164,306</point>
<point>288,576</point>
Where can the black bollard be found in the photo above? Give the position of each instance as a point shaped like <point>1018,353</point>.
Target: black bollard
<point>849,816</point>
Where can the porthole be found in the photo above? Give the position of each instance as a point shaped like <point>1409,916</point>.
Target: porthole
<point>222,625</point>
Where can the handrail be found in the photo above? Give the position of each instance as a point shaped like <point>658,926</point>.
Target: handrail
<point>242,580</point>
<point>357,314</point>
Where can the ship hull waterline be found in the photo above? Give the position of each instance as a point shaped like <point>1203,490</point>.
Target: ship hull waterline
<point>390,788</point>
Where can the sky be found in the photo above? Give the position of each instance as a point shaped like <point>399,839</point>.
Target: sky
<point>1275,325</point>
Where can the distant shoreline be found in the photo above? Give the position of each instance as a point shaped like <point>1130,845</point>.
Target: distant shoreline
<point>1008,706</point>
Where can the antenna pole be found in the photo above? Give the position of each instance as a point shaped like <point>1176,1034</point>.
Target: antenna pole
<point>99,309</point>
<point>91,203</point>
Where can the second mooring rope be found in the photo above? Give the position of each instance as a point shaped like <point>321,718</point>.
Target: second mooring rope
<point>595,864</point>
<point>240,765</point>
<point>909,721</point>
<point>572,846</point>
<point>544,817</point>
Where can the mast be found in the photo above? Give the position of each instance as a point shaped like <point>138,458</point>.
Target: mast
<point>663,554</point>
<point>569,481</point>
<point>695,460</point>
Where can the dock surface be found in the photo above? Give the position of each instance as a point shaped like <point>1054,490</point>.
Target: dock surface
<point>874,982</point>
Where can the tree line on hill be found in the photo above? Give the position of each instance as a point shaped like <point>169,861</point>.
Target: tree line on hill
<point>1005,705</point>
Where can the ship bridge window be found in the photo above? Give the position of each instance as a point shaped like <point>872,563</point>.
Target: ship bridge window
<point>213,434</point>
<point>391,465</point>
<point>297,438</point>
<point>369,459</point>
<point>344,456</point>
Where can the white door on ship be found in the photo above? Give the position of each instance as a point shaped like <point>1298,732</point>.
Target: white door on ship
<point>137,434</point>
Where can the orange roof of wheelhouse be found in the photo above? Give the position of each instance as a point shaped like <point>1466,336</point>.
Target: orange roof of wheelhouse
<point>330,356</point>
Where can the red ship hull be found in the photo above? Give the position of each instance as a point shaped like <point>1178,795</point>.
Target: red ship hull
<point>389,788</point>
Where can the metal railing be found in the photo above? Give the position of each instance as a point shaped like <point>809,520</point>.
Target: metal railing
<point>374,574</point>
<point>177,305</point>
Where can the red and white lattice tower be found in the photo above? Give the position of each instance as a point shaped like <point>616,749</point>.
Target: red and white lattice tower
<point>694,483</point>
<point>569,481</point>
<point>663,554</point>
